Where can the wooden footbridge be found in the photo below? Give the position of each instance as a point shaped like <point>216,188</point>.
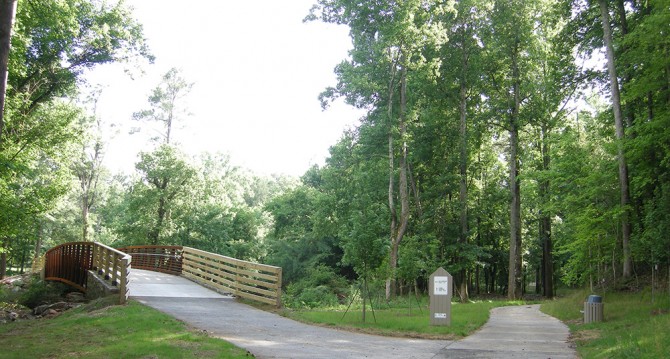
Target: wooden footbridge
<point>78,264</point>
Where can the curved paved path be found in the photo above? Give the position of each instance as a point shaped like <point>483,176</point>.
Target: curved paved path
<point>512,332</point>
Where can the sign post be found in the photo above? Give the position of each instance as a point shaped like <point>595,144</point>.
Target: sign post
<point>440,287</point>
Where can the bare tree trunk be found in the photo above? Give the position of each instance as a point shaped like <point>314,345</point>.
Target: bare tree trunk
<point>463,192</point>
<point>514,288</point>
<point>38,243</point>
<point>7,14</point>
<point>3,258</point>
<point>619,127</point>
<point>391,192</point>
<point>88,174</point>
<point>84,217</point>
<point>545,219</point>
<point>402,188</point>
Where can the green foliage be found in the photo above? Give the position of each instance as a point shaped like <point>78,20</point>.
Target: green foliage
<point>55,41</point>
<point>321,287</point>
<point>422,70</point>
<point>164,102</point>
<point>52,43</point>
<point>157,196</point>
<point>40,292</point>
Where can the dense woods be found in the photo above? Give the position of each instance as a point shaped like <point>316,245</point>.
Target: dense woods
<point>519,144</point>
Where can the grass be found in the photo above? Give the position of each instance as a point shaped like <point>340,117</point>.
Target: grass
<point>100,331</point>
<point>400,319</point>
<point>633,326</point>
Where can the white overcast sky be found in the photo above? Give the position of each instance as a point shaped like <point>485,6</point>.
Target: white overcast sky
<point>257,70</point>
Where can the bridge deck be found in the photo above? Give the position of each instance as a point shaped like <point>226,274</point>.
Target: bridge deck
<point>145,283</point>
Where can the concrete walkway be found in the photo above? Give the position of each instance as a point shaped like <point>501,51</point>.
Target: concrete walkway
<point>512,332</point>
<point>515,332</point>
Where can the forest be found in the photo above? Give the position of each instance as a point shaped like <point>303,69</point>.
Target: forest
<point>522,145</point>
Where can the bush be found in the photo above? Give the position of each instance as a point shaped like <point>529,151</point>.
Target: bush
<point>322,287</point>
<point>41,292</point>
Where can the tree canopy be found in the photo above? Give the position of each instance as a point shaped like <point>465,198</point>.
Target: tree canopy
<point>495,143</point>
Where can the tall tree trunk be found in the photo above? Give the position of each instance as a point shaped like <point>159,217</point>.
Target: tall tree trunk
<point>463,192</point>
<point>514,288</point>
<point>619,127</point>
<point>391,153</point>
<point>403,190</point>
<point>3,258</point>
<point>84,217</point>
<point>7,13</point>
<point>545,219</point>
<point>38,243</point>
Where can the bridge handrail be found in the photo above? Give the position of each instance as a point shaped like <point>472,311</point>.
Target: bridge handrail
<point>166,259</point>
<point>114,266</point>
<point>259,282</point>
<point>70,262</point>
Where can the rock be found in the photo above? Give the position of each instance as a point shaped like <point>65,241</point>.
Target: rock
<point>43,310</point>
<point>60,306</point>
<point>50,313</point>
<point>75,297</point>
<point>39,310</point>
<point>13,316</point>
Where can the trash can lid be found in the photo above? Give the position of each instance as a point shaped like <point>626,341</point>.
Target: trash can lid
<point>595,299</point>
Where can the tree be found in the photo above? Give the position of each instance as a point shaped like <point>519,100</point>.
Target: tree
<point>388,40</point>
<point>164,102</point>
<point>53,43</point>
<point>165,176</point>
<point>89,165</point>
<point>620,135</point>
<point>7,13</point>
<point>507,46</point>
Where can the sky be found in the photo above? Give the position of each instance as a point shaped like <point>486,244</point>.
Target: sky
<point>257,71</point>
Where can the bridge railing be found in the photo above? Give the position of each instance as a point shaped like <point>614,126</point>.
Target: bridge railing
<point>166,259</point>
<point>114,266</point>
<point>70,262</point>
<point>244,279</point>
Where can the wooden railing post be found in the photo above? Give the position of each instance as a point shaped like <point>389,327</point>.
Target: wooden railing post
<point>123,284</point>
<point>279,282</point>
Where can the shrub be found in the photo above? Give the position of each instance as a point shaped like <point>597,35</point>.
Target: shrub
<point>41,292</point>
<point>321,287</point>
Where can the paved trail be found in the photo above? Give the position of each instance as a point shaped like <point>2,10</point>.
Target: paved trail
<point>512,332</point>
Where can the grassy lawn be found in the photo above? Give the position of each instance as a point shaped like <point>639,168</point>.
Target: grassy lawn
<point>633,326</point>
<point>131,331</point>
<point>401,319</point>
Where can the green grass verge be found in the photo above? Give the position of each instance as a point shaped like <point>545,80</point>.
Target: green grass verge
<point>130,331</point>
<point>401,319</point>
<point>633,326</point>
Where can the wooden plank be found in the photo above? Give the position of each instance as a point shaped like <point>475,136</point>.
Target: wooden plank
<point>212,270</point>
<point>209,278</point>
<point>249,273</point>
<point>199,280</point>
<point>201,260</point>
<point>256,298</point>
<point>258,282</point>
<point>206,272</point>
<point>238,285</point>
<point>247,264</point>
<point>239,271</point>
<point>256,290</point>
